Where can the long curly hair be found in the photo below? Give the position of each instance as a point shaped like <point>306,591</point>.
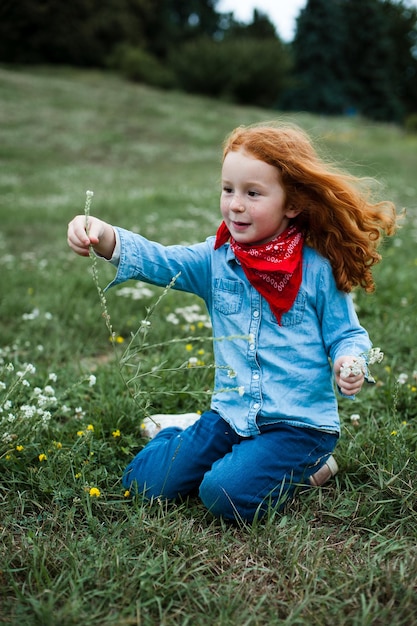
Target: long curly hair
<point>337,214</point>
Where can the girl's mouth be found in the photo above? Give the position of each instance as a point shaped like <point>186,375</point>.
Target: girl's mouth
<point>240,225</point>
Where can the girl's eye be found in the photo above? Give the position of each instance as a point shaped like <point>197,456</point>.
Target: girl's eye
<point>253,194</point>
<point>227,189</point>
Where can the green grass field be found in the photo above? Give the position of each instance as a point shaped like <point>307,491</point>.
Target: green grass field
<point>75,548</point>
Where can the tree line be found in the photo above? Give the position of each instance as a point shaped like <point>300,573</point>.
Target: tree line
<point>347,56</point>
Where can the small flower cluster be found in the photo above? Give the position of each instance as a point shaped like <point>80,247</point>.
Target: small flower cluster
<point>191,315</point>
<point>26,408</point>
<point>358,366</point>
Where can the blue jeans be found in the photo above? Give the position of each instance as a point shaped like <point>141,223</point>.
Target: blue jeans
<point>236,477</point>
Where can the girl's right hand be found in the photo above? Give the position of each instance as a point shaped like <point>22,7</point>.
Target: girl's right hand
<point>85,232</point>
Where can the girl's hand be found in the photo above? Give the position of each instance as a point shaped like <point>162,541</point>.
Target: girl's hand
<point>353,383</point>
<point>94,232</point>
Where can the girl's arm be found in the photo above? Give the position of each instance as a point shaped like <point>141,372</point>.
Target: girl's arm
<point>83,232</point>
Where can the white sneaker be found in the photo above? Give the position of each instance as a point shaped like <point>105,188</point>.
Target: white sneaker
<point>325,473</point>
<point>155,423</point>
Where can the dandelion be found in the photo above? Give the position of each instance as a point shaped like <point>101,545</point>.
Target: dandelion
<point>116,433</point>
<point>42,457</point>
<point>19,448</point>
<point>94,492</point>
<point>90,427</point>
<point>80,433</point>
<point>188,347</point>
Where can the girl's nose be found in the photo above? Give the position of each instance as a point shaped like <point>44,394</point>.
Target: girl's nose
<point>236,203</point>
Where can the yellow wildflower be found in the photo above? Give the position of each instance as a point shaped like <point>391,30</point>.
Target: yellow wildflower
<point>80,433</point>
<point>90,427</point>
<point>116,339</point>
<point>94,492</point>
<point>126,493</point>
<point>57,444</point>
<point>189,347</point>
<point>116,433</point>
<point>394,432</point>
<point>19,448</point>
<point>78,475</point>
<point>42,457</point>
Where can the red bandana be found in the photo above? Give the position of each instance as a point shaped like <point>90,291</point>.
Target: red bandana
<point>273,268</point>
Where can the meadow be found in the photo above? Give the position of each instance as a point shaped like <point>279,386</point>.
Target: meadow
<point>79,371</point>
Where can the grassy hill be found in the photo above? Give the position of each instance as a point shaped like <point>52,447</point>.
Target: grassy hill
<point>344,554</point>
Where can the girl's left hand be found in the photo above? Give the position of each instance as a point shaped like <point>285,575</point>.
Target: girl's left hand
<point>351,385</point>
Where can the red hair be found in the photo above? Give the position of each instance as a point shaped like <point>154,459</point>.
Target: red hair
<point>337,215</point>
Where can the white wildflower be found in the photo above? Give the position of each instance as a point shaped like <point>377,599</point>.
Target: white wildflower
<point>49,391</point>
<point>374,356</point>
<point>354,368</point>
<point>28,411</point>
<point>402,379</point>
<point>53,377</point>
<point>92,380</point>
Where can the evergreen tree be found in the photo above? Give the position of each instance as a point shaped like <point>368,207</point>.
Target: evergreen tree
<point>370,54</point>
<point>355,56</point>
<point>319,62</point>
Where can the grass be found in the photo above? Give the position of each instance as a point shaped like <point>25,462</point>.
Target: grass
<point>75,548</point>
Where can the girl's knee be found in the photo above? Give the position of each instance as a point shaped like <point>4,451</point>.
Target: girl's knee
<point>236,502</point>
<point>222,500</point>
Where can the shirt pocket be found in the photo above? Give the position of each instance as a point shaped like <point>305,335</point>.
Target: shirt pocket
<point>296,313</point>
<point>228,295</point>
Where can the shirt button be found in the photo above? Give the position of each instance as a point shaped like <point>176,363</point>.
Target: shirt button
<point>256,405</point>
<point>255,376</point>
<point>256,314</point>
<point>252,346</point>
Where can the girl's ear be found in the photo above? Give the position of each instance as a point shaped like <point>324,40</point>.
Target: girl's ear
<point>291,212</point>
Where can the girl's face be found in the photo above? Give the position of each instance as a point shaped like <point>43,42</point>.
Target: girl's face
<point>253,200</point>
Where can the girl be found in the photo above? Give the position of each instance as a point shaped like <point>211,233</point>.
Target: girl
<point>297,236</point>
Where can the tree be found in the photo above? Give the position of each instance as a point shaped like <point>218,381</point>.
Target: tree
<point>354,56</point>
<point>319,62</point>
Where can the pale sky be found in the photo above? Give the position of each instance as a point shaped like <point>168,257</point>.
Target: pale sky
<point>282,13</point>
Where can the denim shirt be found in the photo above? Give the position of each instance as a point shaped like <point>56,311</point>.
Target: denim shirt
<point>265,372</point>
